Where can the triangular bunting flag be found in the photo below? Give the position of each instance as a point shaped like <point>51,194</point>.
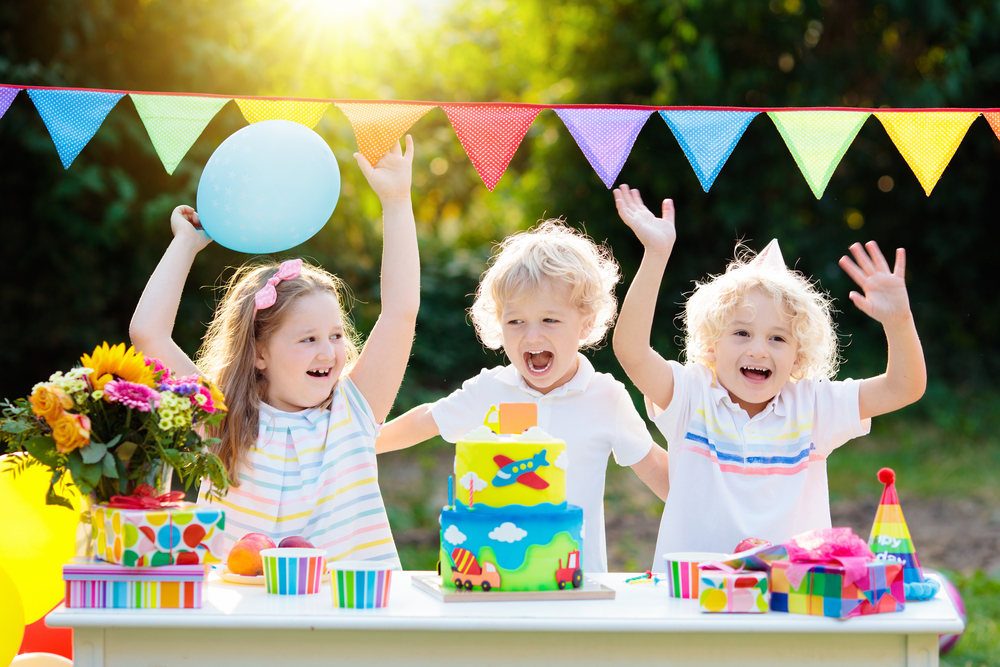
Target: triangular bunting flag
<point>72,117</point>
<point>7,96</point>
<point>890,538</point>
<point>818,140</point>
<point>490,134</point>
<point>174,122</point>
<point>993,118</point>
<point>605,136</point>
<point>927,139</point>
<point>378,126</point>
<point>305,113</point>
<point>707,138</point>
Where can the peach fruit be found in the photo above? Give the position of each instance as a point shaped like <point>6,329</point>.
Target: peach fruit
<point>244,558</point>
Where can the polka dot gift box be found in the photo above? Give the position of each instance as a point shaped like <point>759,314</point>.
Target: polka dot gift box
<point>142,537</point>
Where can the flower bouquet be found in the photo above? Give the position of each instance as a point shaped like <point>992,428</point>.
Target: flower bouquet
<point>117,422</point>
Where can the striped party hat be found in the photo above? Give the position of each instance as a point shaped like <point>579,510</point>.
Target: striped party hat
<point>890,539</point>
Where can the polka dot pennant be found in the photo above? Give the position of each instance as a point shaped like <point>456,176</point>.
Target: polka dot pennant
<point>305,113</point>
<point>72,117</point>
<point>605,136</point>
<point>993,118</point>
<point>174,122</point>
<point>707,137</point>
<point>818,140</point>
<point>378,126</point>
<point>7,96</point>
<point>927,139</point>
<point>490,135</point>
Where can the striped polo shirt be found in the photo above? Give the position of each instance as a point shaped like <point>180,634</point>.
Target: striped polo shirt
<point>312,473</point>
<point>733,477</point>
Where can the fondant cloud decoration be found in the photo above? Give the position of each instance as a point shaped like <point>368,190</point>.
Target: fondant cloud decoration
<point>508,532</point>
<point>453,535</point>
<point>562,461</point>
<point>471,478</point>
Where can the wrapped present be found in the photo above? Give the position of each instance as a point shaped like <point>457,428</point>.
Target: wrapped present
<point>181,535</point>
<point>94,584</point>
<point>728,590</point>
<point>837,590</point>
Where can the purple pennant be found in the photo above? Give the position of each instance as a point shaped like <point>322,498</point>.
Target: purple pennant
<point>72,117</point>
<point>7,96</point>
<point>605,136</point>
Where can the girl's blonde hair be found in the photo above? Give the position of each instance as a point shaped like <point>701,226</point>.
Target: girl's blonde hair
<point>229,352</point>
<point>553,252</point>
<point>808,310</point>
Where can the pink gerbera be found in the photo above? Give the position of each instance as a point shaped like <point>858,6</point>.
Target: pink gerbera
<point>136,396</point>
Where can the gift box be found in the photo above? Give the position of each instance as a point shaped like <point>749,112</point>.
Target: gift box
<point>835,590</point>
<point>94,584</point>
<point>183,535</point>
<point>730,591</point>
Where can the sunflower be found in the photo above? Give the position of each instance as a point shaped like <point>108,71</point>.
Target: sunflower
<point>115,362</point>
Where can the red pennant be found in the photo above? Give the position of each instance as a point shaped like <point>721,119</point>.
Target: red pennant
<point>490,133</point>
<point>993,117</point>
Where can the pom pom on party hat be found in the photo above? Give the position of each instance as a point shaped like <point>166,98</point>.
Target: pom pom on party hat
<point>890,539</point>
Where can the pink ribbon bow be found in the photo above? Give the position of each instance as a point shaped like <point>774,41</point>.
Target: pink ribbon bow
<point>267,295</point>
<point>143,499</point>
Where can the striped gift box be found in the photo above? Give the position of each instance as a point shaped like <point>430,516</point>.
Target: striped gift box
<point>292,571</point>
<point>360,584</point>
<point>682,572</point>
<point>99,585</point>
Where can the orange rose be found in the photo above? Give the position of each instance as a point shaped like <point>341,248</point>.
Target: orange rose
<point>71,432</point>
<point>48,402</point>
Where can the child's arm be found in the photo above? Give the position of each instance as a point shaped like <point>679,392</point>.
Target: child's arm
<point>648,370</point>
<point>407,430</point>
<point>654,471</point>
<point>885,300</point>
<point>379,370</point>
<point>153,321</point>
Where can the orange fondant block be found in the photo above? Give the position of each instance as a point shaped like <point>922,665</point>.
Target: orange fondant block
<point>516,418</point>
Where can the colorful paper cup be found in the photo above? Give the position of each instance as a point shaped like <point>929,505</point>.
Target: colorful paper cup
<point>360,584</point>
<point>291,571</point>
<point>682,571</point>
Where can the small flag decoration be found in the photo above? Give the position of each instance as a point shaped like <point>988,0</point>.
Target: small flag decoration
<point>72,117</point>
<point>707,137</point>
<point>378,126</point>
<point>818,140</point>
<point>490,134</point>
<point>7,96</point>
<point>305,113</point>
<point>605,136</point>
<point>927,140</point>
<point>890,538</point>
<point>993,118</point>
<point>174,122</point>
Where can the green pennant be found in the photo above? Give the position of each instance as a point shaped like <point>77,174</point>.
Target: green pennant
<point>818,140</point>
<point>175,121</point>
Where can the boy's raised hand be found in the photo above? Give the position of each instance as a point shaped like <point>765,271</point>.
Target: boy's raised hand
<point>885,299</point>
<point>657,234</point>
<point>185,225</point>
<point>390,177</point>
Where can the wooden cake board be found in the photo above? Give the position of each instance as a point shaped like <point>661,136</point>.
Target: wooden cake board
<point>431,584</point>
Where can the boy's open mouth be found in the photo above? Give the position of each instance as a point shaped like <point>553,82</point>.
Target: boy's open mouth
<point>319,373</point>
<point>755,372</point>
<point>538,362</point>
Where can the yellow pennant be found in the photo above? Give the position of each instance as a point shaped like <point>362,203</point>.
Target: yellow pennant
<point>305,113</point>
<point>927,139</point>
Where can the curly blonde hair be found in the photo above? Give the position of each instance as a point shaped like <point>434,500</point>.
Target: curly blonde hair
<point>807,308</point>
<point>552,251</point>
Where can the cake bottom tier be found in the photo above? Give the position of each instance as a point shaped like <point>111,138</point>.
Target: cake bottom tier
<point>512,552</point>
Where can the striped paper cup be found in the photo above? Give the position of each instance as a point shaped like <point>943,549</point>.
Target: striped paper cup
<point>292,571</point>
<point>360,584</point>
<point>682,571</point>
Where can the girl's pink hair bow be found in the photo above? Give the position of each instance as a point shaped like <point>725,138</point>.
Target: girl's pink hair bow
<point>267,295</point>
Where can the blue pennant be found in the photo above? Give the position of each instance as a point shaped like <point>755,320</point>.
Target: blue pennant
<point>707,138</point>
<point>72,117</point>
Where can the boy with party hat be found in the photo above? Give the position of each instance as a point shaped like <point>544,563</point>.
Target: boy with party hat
<point>753,415</point>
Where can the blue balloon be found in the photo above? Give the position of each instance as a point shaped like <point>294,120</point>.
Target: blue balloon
<point>268,187</point>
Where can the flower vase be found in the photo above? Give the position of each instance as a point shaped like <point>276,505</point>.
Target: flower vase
<point>85,528</point>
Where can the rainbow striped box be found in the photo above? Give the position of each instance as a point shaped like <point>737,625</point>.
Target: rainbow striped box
<point>175,536</point>
<point>682,572</point>
<point>360,584</point>
<point>94,584</point>
<point>822,591</point>
<point>293,571</point>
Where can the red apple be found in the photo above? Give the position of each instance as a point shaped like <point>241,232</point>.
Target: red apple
<point>751,543</point>
<point>244,558</point>
<point>295,541</point>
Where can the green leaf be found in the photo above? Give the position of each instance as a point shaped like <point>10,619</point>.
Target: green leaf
<point>93,453</point>
<point>114,441</point>
<point>108,466</point>
<point>52,498</point>
<point>74,462</point>
<point>43,448</point>
<point>126,450</point>
<point>122,474</point>
<point>91,473</point>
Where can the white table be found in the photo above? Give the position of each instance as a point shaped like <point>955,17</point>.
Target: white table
<point>242,625</point>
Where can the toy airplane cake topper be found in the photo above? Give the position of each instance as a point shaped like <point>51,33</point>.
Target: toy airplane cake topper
<point>520,472</point>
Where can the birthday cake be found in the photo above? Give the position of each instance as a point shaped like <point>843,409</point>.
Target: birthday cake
<point>508,526</point>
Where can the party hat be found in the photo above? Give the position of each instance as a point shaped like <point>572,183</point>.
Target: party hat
<point>890,539</point>
<point>770,258</point>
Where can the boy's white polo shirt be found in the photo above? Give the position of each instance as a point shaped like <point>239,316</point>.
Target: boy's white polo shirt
<point>733,477</point>
<point>592,412</point>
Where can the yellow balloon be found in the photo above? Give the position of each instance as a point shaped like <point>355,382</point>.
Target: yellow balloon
<point>36,539</point>
<point>11,619</point>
